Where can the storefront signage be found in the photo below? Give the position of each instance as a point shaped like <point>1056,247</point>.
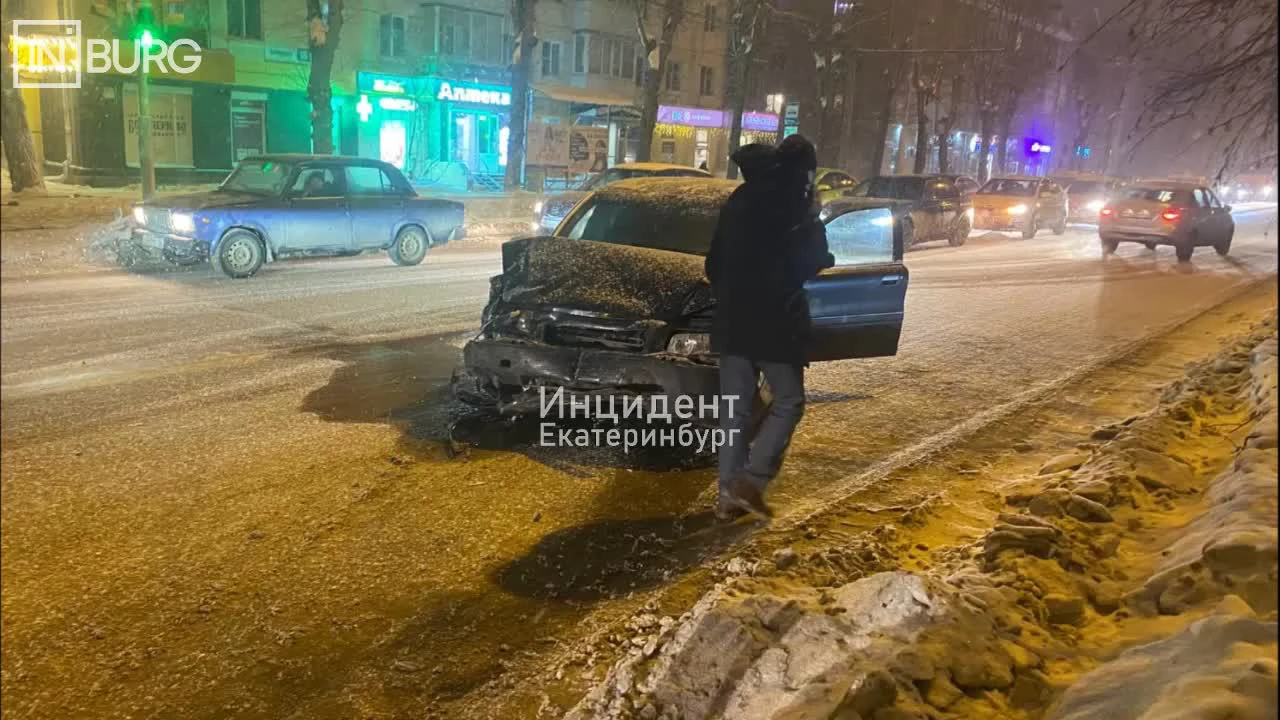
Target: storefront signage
<point>462,92</point>
<point>363,108</point>
<point>759,122</point>
<point>1038,148</point>
<point>588,149</point>
<point>693,117</point>
<point>395,103</point>
<point>299,56</point>
<point>548,144</point>
<point>386,85</point>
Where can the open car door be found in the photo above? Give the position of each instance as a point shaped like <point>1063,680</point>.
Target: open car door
<point>857,306</point>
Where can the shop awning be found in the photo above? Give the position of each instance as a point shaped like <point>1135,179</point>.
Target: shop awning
<point>582,96</point>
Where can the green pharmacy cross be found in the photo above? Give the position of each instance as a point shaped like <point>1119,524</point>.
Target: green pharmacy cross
<point>363,108</point>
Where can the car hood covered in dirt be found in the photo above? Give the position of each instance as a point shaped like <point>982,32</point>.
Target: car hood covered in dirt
<point>619,281</point>
<point>205,200</point>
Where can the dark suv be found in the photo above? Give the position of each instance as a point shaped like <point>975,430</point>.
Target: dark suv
<point>930,207</point>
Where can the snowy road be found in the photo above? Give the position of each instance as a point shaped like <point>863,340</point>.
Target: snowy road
<point>228,499</point>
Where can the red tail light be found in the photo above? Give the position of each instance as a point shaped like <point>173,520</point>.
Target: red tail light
<point>1106,212</point>
<point>1171,215</point>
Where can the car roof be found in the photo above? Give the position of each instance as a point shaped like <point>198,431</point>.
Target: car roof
<point>1031,178</point>
<point>1164,185</point>
<point>825,170</point>
<point>305,157</point>
<point>667,191</point>
<point>657,167</point>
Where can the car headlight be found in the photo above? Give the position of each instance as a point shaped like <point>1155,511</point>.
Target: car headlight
<point>537,207</point>
<point>1095,206</point>
<point>1018,210</point>
<point>183,222</point>
<point>140,216</point>
<point>689,344</point>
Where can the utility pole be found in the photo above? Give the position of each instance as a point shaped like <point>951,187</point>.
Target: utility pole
<point>146,160</point>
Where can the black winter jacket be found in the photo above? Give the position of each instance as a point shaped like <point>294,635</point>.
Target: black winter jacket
<point>768,243</point>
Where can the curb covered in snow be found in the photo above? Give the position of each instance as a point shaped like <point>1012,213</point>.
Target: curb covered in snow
<point>997,628</point>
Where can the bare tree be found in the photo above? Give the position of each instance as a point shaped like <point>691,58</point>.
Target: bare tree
<point>324,28</point>
<point>926,80</point>
<point>747,22</point>
<point>657,48</point>
<point>19,147</point>
<point>1220,79</point>
<point>523,14</point>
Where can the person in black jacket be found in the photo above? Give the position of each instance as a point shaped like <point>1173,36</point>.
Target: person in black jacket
<point>768,242</point>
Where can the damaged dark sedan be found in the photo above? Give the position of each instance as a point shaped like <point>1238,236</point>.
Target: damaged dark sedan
<point>615,302</point>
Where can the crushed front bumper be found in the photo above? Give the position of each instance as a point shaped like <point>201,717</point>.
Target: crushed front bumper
<point>169,246</point>
<point>509,374</point>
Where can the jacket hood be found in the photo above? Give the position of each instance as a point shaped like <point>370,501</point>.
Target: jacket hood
<point>756,161</point>
<point>617,280</point>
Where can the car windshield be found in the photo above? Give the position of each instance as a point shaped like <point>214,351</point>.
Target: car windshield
<point>613,175</point>
<point>682,229</point>
<point>894,188</point>
<point>258,177</point>
<point>999,186</point>
<point>1087,188</point>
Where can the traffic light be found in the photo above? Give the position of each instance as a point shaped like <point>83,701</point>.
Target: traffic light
<point>144,26</point>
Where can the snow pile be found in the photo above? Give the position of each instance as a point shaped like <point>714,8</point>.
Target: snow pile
<point>1154,545</point>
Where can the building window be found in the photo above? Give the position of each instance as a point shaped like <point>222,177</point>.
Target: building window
<point>706,81</point>
<point>476,37</point>
<point>597,55</point>
<point>629,60</point>
<point>579,53</point>
<point>711,18</point>
<point>391,36</point>
<point>673,76</point>
<point>244,19</point>
<point>550,59</point>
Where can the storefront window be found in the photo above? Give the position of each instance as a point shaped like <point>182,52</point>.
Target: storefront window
<point>248,128</point>
<point>170,127</point>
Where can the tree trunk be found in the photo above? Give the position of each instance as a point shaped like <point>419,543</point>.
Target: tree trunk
<point>323,43</point>
<point>984,147</point>
<point>737,102</point>
<point>523,14</point>
<point>947,125</point>
<point>1002,150</point>
<point>882,129</point>
<point>849,128</point>
<point>655,68</point>
<point>922,125</point>
<point>15,135</point>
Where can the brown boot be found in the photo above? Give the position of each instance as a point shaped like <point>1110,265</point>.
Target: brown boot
<point>745,495</point>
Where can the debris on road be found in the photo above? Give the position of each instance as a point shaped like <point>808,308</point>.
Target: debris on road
<point>1157,549</point>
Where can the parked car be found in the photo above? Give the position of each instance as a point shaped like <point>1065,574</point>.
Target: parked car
<point>929,207</point>
<point>273,206</point>
<point>965,184</point>
<point>831,184</point>
<point>1087,195</point>
<point>615,302</point>
<point>1183,215</point>
<point>548,213</point>
<point>1020,203</point>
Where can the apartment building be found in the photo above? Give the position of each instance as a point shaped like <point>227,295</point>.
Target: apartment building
<point>423,85</point>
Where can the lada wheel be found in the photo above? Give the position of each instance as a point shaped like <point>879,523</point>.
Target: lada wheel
<point>240,254</point>
<point>410,246</point>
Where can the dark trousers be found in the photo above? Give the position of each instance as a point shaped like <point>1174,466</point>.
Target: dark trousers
<point>758,458</point>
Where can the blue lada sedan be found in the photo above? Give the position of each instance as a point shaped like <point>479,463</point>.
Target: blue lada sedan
<point>275,206</point>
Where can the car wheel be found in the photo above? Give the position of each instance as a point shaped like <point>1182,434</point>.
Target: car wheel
<point>1150,246</point>
<point>410,247</point>
<point>1029,229</point>
<point>959,234</point>
<point>1224,246</point>
<point>240,254</point>
<point>1109,246</point>
<point>1060,227</point>
<point>1185,250</point>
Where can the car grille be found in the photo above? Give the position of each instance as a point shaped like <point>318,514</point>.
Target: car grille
<point>590,336</point>
<point>158,220</point>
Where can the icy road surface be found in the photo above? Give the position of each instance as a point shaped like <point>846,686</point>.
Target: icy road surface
<point>229,499</point>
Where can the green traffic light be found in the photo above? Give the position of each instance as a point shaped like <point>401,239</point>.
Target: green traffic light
<point>147,40</point>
